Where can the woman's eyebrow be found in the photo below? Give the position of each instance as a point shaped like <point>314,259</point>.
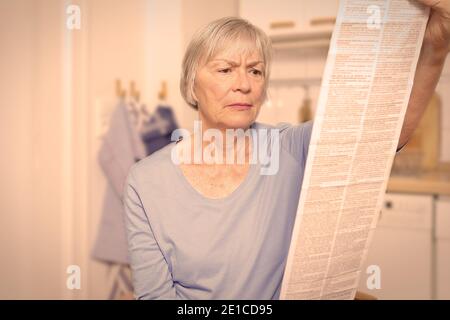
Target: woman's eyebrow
<point>234,63</point>
<point>254,63</point>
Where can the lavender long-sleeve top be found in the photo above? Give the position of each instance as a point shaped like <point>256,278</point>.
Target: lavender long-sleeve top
<point>183,245</point>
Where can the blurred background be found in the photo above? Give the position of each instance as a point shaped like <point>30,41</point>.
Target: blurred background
<point>77,75</point>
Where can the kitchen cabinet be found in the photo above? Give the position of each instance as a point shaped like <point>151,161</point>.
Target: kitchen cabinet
<point>290,17</point>
<point>411,245</point>
<point>443,248</point>
<point>402,248</point>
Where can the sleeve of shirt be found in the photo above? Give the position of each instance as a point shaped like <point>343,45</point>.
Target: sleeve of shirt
<point>398,150</point>
<point>152,278</point>
<point>296,140</point>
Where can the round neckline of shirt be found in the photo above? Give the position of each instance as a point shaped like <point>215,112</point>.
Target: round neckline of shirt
<point>188,186</point>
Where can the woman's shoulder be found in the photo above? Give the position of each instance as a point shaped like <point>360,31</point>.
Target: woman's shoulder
<point>284,126</point>
<point>152,167</point>
<point>288,130</point>
<point>294,138</point>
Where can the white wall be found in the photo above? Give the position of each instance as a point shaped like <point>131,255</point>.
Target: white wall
<point>31,168</point>
<point>15,122</point>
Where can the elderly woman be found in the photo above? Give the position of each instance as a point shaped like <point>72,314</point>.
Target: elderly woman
<point>222,230</point>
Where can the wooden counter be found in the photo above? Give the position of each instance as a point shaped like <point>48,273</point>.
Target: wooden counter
<point>433,182</point>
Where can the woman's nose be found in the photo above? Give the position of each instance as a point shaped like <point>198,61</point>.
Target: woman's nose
<point>241,82</point>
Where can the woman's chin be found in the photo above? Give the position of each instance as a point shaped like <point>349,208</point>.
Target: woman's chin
<point>239,121</point>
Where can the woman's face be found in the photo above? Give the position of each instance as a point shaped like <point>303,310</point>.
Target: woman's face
<point>229,90</point>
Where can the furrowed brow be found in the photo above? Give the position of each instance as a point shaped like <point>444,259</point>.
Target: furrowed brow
<point>235,64</point>
<point>254,63</point>
<point>230,62</point>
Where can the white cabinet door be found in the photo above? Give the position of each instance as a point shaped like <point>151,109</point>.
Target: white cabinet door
<point>319,15</point>
<point>443,248</point>
<point>266,13</point>
<point>289,16</point>
<point>401,248</point>
<point>443,269</point>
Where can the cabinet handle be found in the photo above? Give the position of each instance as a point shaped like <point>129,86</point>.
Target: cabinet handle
<point>282,24</point>
<point>322,21</point>
<point>388,204</point>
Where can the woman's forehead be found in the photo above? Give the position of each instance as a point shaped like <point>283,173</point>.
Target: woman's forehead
<point>236,58</point>
<point>237,51</point>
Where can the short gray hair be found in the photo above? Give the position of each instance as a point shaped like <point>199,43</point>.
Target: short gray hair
<point>207,41</point>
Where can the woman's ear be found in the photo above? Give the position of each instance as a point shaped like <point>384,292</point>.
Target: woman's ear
<point>266,96</point>
<point>194,96</point>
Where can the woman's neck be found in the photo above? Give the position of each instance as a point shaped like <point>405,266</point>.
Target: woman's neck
<point>220,145</point>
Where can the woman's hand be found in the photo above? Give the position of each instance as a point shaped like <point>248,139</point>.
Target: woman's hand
<point>437,33</point>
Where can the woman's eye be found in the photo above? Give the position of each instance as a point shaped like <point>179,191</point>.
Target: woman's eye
<point>256,72</point>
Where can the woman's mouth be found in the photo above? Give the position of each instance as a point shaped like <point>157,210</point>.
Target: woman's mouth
<point>240,106</point>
